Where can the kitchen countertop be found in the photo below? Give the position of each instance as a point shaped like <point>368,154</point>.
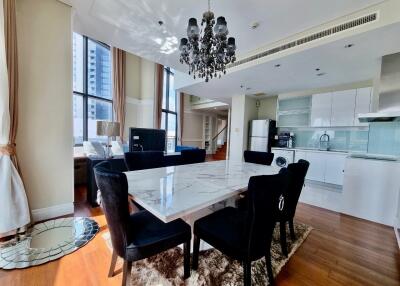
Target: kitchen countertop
<point>312,149</point>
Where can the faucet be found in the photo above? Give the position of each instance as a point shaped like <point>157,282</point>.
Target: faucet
<point>324,142</point>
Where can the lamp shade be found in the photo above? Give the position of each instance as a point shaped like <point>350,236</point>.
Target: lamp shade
<point>108,128</point>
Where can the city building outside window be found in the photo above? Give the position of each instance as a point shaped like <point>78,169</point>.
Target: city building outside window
<point>92,95</point>
<point>169,114</point>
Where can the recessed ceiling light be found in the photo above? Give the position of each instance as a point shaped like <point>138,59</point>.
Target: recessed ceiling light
<point>348,46</point>
<point>255,25</point>
<point>321,74</point>
<point>160,23</point>
<point>277,65</point>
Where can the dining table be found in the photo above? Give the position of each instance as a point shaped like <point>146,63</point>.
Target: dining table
<point>190,191</point>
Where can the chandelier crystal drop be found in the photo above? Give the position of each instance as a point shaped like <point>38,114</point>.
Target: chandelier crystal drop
<point>208,51</point>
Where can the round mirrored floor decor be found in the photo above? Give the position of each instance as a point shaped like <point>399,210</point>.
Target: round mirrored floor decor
<point>48,241</point>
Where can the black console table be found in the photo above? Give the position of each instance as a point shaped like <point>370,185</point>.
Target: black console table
<point>117,164</point>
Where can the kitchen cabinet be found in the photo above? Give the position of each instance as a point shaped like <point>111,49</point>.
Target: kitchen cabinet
<point>326,167</point>
<point>363,104</point>
<point>321,110</point>
<point>316,171</point>
<point>298,155</point>
<point>334,168</point>
<point>343,106</point>
<point>371,189</point>
<point>294,112</point>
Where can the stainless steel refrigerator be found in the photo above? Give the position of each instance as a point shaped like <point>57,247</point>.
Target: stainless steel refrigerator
<point>261,135</point>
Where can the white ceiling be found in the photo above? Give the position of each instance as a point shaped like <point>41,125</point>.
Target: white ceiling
<point>297,71</point>
<point>133,25</point>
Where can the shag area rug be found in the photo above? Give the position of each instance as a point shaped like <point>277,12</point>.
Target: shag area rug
<point>166,268</point>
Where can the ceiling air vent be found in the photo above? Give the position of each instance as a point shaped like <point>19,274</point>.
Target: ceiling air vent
<point>334,30</point>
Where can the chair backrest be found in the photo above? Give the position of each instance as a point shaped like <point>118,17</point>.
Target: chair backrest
<point>264,197</point>
<point>298,174</point>
<point>140,160</point>
<point>114,191</point>
<point>193,156</point>
<point>263,158</point>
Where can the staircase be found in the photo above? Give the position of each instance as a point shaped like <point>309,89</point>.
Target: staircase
<point>220,154</point>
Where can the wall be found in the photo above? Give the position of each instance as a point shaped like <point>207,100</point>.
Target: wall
<point>45,136</point>
<point>193,124</point>
<point>250,113</point>
<point>243,109</point>
<point>267,108</point>
<point>140,93</point>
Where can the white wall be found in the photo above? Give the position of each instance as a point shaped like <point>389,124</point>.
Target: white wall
<point>140,93</point>
<point>45,136</point>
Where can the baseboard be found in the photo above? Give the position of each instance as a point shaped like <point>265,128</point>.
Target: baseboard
<point>52,212</point>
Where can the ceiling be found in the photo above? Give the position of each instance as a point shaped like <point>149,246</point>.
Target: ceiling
<point>133,25</point>
<point>297,71</point>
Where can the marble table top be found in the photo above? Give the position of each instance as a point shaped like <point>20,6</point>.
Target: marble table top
<point>178,191</point>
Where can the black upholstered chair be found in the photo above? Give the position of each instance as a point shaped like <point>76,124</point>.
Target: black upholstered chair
<point>298,172</point>
<point>138,236</point>
<point>263,158</point>
<point>245,235</point>
<point>193,156</point>
<point>140,160</point>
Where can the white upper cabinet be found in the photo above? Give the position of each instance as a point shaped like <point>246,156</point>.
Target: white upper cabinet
<point>363,104</point>
<point>343,105</point>
<point>321,109</point>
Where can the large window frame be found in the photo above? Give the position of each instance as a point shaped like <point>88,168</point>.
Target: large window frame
<point>166,110</point>
<point>85,94</point>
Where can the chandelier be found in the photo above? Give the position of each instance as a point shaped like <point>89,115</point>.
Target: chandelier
<point>207,52</point>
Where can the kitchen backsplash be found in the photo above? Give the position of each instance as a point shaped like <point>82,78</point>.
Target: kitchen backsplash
<point>384,138</point>
<point>353,140</point>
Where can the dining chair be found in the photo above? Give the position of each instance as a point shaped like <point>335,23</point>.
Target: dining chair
<point>245,235</point>
<point>140,160</point>
<point>192,156</point>
<point>263,158</point>
<point>140,235</point>
<point>298,173</point>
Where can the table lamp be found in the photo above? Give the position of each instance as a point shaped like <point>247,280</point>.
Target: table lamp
<point>109,129</point>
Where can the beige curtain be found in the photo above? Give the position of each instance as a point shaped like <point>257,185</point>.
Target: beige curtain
<point>182,114</point>
<point>159,93</point>
<point>14,209</point>
<point>119,96</point>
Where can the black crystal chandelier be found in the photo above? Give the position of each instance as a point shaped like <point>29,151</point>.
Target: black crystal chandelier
<point>207,52</point>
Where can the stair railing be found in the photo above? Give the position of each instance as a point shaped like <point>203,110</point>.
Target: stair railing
<point>216,136</point>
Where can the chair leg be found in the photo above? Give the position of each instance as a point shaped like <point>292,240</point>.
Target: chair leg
<point>247,273</point>
<point>196,248</point>
<point>291,227</point>
<point>126,274</point>
<point>186,258</point>
<point>282,225</point>
<point>269,267</point>
<point>112,264</point>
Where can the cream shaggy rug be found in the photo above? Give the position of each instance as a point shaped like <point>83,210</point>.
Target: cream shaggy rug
<point>166,269</point>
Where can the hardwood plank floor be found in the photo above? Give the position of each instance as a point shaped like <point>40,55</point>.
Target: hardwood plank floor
<point>341,250</point>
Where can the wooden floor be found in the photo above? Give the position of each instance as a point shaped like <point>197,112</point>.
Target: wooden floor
<point>341,250</point>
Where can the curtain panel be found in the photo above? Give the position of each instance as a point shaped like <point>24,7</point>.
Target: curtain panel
<point>14,209</point>
<point>119,94</point>
<point>159,93</point>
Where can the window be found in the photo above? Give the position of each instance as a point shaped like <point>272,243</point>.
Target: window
<point>169,115</point>
<point>92,98</point>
